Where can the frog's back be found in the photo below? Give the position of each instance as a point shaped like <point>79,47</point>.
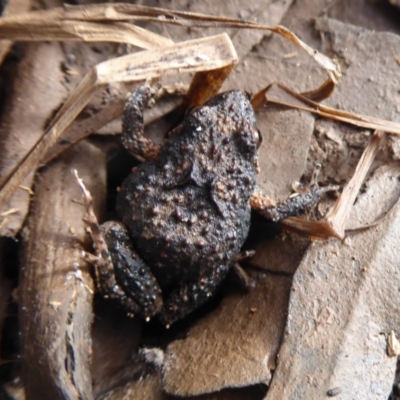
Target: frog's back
<point>190,211</point>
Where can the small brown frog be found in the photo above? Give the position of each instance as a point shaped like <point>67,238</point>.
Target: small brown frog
<point>185,212</point>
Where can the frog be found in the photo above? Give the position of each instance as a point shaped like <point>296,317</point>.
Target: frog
<point>184,212</point>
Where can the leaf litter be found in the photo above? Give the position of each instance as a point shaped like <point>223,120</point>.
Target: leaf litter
<point>100,76</point>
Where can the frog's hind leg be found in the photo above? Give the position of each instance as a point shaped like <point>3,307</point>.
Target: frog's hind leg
<point>191,295</point>
<point>120,273</point>
<point>134,279</point>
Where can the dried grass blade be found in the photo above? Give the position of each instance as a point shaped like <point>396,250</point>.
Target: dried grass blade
<point>281,95</point>
<point>51,25</point>
<point>196,55</point>
<point>12,7</point>
<point>317,230</point>
<point>338,215</point>
<point>77,101</point>
<point>80,130</point>
<point>334,223</point>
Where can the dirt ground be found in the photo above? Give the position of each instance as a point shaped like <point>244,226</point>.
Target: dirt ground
<point>320,319</point>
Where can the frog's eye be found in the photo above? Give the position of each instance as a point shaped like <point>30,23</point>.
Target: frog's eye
<point>258,138</point>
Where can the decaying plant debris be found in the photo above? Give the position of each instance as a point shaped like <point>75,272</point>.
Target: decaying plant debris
<point>217,57</point>
<point>211,59</point>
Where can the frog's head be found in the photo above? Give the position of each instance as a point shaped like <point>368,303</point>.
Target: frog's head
<point>237,125</point>
<point>228,117</point>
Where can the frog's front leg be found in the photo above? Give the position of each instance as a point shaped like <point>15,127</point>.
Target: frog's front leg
<point>133,124</point>
<point>191,295</point>
<point>294,205</point>
<point>120,272</point>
